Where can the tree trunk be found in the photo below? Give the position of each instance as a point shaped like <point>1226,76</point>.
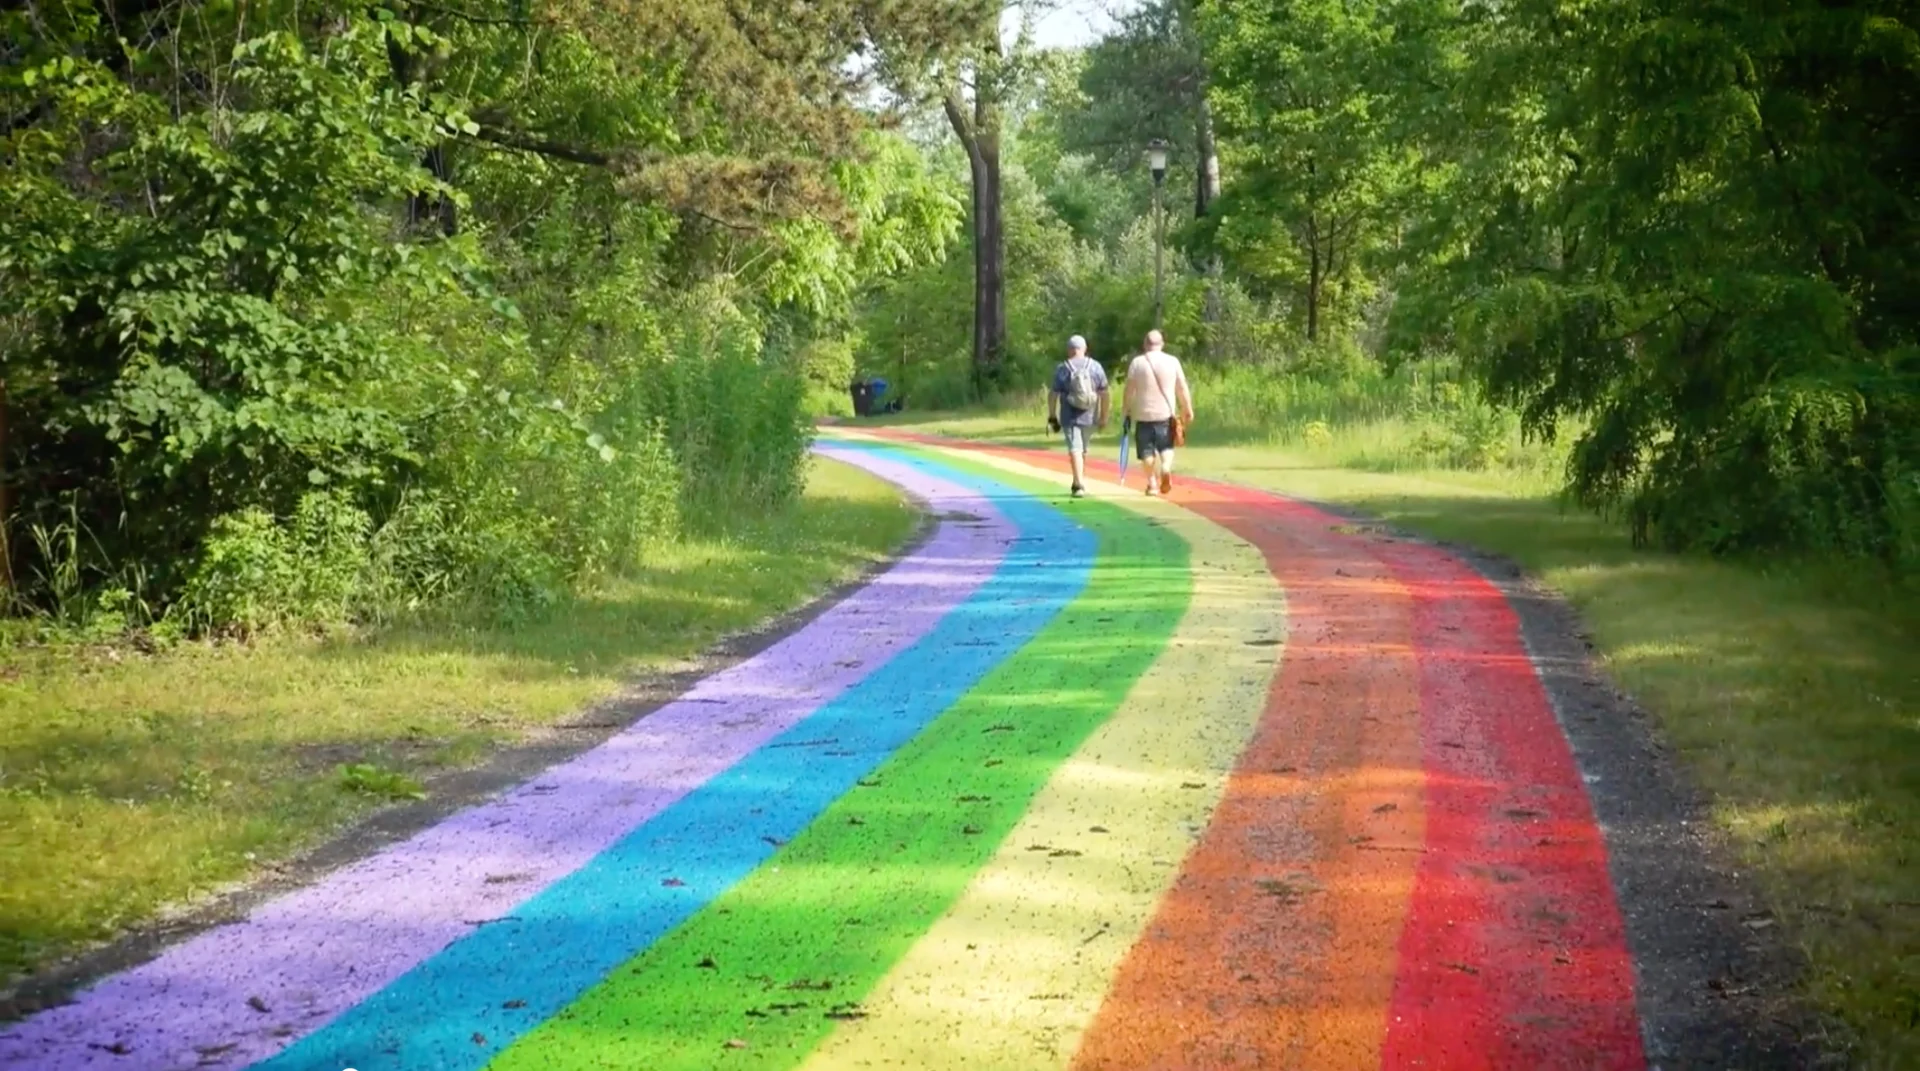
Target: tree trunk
<point>979,134</point>
<point>424,208</point>
<point>1316,279</point>
<point>6,511</point>
<point>1207,175</point>
<point>1206,191</point>
<point>991,319</point>
<point>1313,303</point>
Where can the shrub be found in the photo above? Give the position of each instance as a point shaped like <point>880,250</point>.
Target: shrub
<point>329,536</point>
<point>247,576</point>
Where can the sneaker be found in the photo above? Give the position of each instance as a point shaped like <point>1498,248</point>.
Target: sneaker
<point>1079,491</point>
<point>1166,483</point>
<point>1151,489</point>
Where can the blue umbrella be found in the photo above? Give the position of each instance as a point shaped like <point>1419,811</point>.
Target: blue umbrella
<point>1126,430</point>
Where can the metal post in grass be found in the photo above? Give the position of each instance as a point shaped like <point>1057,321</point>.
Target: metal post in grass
<point>1157,163</point>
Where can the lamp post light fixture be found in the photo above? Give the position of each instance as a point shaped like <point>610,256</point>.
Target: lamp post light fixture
<point>1157,163</point>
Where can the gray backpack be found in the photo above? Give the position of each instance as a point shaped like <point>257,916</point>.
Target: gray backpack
<point>1082,392</point>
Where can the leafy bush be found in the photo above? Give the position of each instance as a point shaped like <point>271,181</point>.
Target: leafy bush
<point>329,535</point>
<point>247,578</point>
<point>828,365</point>
<point>255,573</point>
<point>183,360</point>
<point>1460,429</point>
<point>287,341</point>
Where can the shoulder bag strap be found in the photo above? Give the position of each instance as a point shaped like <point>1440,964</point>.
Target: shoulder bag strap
<point>1173,411</point>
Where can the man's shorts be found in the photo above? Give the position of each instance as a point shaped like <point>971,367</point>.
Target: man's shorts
<point>1152,437</point>
<point>1076,435</point>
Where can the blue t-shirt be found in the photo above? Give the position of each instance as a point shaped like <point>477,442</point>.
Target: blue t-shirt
<point>1068,414</point>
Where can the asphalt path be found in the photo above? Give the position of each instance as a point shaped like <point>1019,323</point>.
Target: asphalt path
<point>1214,780</point>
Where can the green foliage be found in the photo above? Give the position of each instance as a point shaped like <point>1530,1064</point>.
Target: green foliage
<point>1673,230</point>
<point>248,576</point>
<point>1459,429</point>
<point>183,355</point>
<point>1144,81</point>
<point>255,573</point>
<point>335,315</point>
<point>1322,397</point>
<point>1316,175</point>
<point>828,364</point>
<point>1682,225</point>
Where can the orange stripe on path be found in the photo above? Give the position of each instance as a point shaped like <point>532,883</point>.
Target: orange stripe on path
<point>1276,946</point>
<point>1405,870</point>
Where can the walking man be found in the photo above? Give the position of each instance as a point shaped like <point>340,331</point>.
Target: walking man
<point>1076,405</point>
<point>1160,406</point>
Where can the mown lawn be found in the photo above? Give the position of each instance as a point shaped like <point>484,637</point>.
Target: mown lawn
<point>132,782</point>
<point>1791,689</point>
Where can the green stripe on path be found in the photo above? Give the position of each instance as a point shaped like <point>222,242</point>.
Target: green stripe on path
<point>761,975</point>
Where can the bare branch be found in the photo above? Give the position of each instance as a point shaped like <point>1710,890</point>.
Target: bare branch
<point>468,16</point>
<point>744,228</point>
<point>542,147</point>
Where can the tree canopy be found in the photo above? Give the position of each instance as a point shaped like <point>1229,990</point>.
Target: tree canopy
<point>422,251</point>
<point>255,252</point>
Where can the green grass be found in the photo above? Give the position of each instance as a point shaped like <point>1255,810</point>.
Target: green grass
<point>130,782</point>
<point>1791,689</point>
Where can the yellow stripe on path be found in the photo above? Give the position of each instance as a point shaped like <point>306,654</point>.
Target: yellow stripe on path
<point>1012,975</point>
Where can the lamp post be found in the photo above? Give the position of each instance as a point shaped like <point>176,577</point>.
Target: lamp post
<point>1157,163</point>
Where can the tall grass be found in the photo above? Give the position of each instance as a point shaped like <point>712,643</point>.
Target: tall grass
<point>1359,415</point>
<point>1347,411</point>
<point>521,497</point>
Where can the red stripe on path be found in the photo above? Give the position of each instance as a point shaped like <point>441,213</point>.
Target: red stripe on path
<point>1514,954</point>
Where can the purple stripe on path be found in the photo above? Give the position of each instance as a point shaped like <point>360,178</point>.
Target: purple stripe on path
<point>245,991</point>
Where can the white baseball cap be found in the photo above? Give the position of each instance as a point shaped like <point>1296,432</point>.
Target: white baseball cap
<point>1076,343</point>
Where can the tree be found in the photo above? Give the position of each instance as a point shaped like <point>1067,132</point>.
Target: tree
<point>1149,80</point>
<point>1301,99</point>
<point>254,252</point>
<point>1685,225</point>
<point>977,121</point>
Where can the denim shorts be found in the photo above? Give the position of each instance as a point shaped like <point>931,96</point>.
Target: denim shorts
<point>1076,436</point>
<point>1152,437</point>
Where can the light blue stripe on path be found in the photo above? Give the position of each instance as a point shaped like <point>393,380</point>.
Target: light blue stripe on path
<point>458,1009</point>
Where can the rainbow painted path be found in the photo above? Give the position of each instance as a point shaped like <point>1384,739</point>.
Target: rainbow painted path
<point>1213,782</point>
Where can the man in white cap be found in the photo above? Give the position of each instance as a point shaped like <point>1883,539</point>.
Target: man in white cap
<point>1076,405</point>
<point>1160,406</point>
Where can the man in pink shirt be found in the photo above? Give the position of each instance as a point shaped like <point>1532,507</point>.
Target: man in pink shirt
<point>1156,394</point>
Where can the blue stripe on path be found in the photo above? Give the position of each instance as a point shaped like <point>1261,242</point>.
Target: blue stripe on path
<point>458,1009</point>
